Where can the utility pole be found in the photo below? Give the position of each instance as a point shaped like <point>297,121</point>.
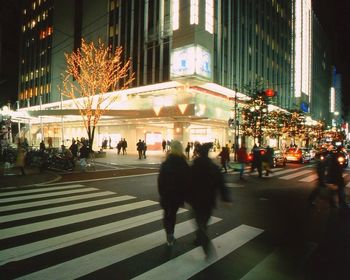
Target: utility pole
<point>236,123</point>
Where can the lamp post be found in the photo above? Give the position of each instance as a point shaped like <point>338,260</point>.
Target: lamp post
<point>236,122</point>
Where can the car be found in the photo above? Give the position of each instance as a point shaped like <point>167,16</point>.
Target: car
<point>298,155</point>
<point>279,159</point>
<point>250,155</point>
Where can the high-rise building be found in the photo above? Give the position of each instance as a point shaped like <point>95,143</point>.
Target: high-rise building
<point>192,59</point>
<point>321,73</point>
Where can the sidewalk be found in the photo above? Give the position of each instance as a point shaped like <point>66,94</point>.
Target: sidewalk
<point>113,165</point>
<point>13,178</point>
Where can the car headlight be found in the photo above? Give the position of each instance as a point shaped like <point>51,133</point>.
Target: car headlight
<point>341,160</point>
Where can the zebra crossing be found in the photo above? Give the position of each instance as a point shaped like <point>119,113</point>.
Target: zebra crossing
<point>72,231</point>
<point>301,174</point>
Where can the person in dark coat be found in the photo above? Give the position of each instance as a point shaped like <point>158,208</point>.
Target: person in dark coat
<point>74,149</point>
<point>335,176</point>
<point>224,156</point>
<point>173,180</point>
<point>321,166</point>
<point>139,148</point>
<point>257,160</point>
<point>207,182</point>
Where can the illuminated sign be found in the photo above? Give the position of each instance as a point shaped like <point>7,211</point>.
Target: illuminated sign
<point>191,60</point>
<point>332,100</point>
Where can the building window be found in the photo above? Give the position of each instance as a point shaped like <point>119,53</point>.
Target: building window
<point>194,12</point>
<point>209,16</point>
<point>176,14</point>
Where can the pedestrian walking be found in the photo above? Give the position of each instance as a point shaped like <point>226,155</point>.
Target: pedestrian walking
<point>173,181</point>
<point>187,150</point>
<point>119,146</point>
<point>84,155</point>
<point>242,157</point>
<point>334,175</point>
<point>321,186</point>
<point>257,162</point>
<point>124,146</point>
<point>164,145</point>
<point>42,147</point>
<point>207,181</point>
<point>267,160</point>
<point>144,149</point>
<point>21,154</point>
<point>224,156</point>
<point>74,148</point>
<point>139,148</point>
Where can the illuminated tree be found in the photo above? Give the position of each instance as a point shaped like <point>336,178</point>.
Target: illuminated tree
<point>91,72</point>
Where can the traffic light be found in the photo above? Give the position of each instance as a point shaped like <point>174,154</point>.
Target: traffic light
<point>269,92</point>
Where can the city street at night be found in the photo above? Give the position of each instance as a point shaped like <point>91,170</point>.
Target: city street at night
<point>175,139</point>
<point>111,228</point>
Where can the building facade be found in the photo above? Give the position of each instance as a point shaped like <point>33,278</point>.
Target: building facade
<point>193,60</point>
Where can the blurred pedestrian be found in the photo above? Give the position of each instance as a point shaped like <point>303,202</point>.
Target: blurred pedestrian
<point>74,148</point>
<point>124,146</point>
<point>207,181</point>
<point>21,153</point>
<point>42,146</point>
<point>321,186</point>
<point>144,148</point>
<point>164,145</point>
<point>173,180</point>
<point>257,162</point>
<point>84,153</point>
<point>334,175</point>
<point>139,148</point>
<point>224,156</point>
<point>267,160</point>
<point>187,150</point>
<point>242,158</point>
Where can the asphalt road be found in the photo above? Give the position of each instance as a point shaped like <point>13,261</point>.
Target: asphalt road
<point>110,228</point>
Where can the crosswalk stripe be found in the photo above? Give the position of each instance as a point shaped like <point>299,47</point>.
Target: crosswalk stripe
<point>7,193</point>
<point>89,263</point>
<point>54,210</point>
<point>294,175</point>
<point>179,268</point>
<point>288,170</point>
<point>44,195</point>
<point>53,201</point>
<point>310,178</point>
<point>33,227</point>
<point>62,241</point>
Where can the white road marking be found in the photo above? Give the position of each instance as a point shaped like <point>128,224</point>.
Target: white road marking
<point>89,263</point>
<point>54,200</point>
<point>37,190</point>
<point>294,175</point>
<point>45,195</point>
<point>62,241</point>
<point>54,210</point>
<point>192,262</point>
<point>33,227</point>
<point>310,178</point>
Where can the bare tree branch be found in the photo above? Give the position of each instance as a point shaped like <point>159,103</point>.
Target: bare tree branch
<point>92,71</point>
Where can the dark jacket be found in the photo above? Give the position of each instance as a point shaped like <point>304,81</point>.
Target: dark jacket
<point>207,182</point>
<point>84,152</point>
<point>334,169</point>
<point>173,181</point>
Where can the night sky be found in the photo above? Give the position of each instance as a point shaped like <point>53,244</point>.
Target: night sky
<point>334,16</point>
